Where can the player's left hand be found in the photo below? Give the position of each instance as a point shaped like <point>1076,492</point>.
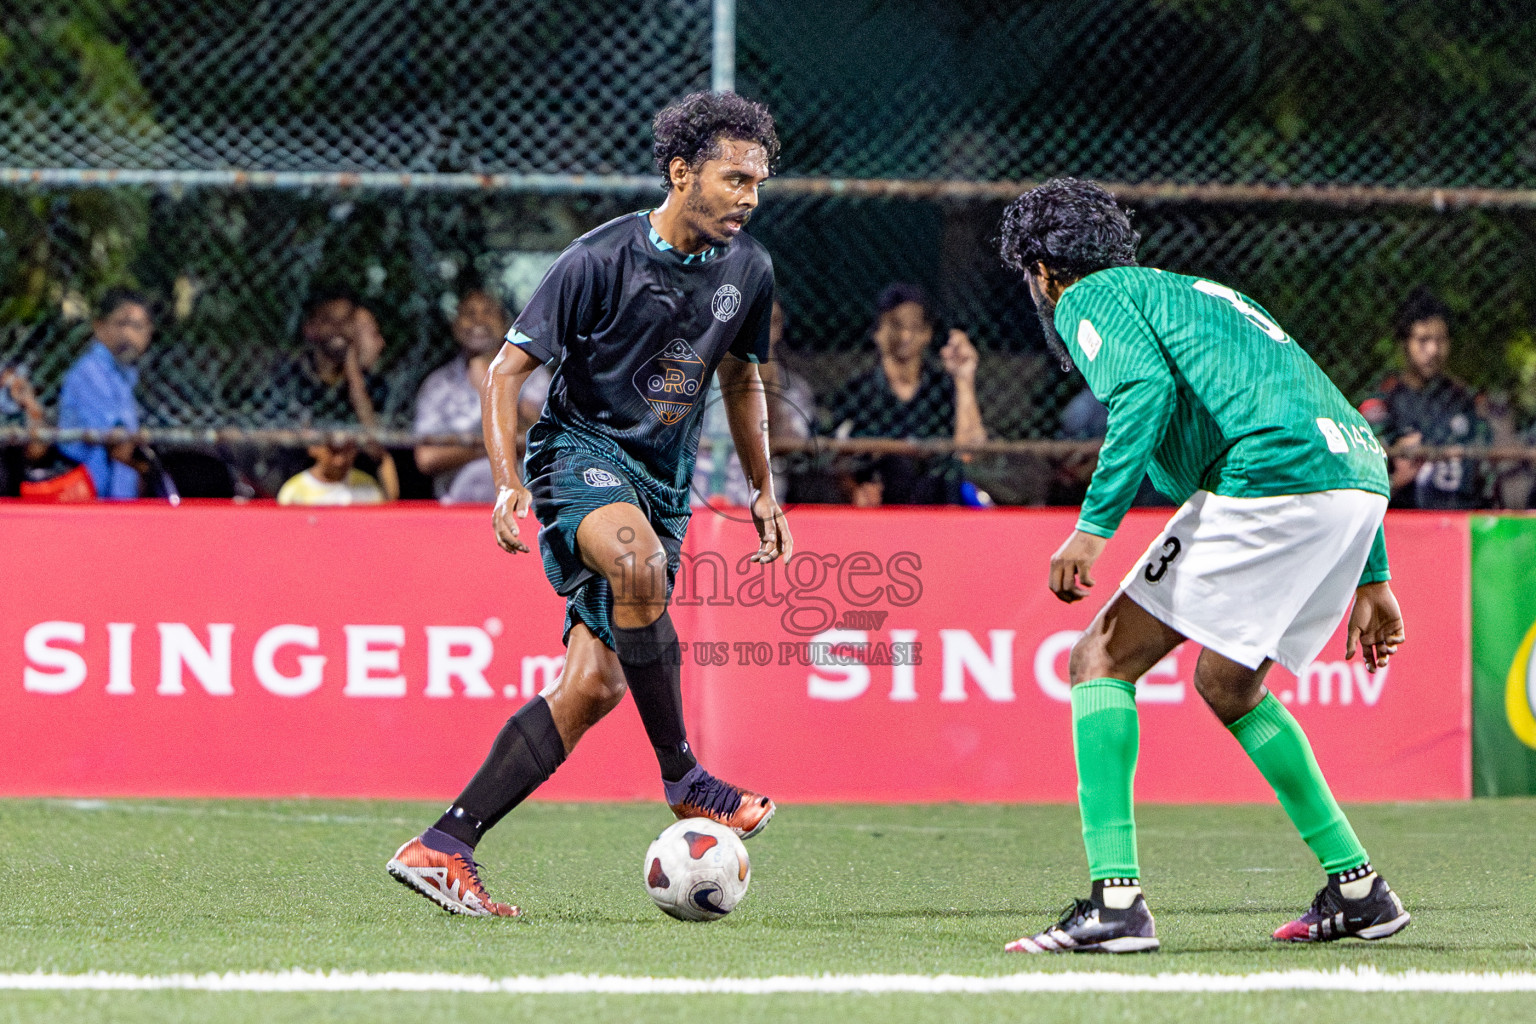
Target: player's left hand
<point>1375,626</point>
<point>960,357</point>
<point>772,530</point>
<point>1072,565</point>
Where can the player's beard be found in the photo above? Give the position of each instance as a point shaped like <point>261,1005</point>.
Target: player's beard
<point>1045,309</point>
<point>705,219</point>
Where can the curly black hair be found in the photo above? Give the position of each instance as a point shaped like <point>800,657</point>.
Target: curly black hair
<point>693,127</point>
<point>1421,304</point>
<point>1073,227</point>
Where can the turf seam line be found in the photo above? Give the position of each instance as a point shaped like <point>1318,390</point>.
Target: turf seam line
<point>1364,979</point>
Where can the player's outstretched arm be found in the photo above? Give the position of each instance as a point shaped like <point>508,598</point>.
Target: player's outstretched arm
<point>746,409</point>
<point>498,419</point>
<point>1375,625</point>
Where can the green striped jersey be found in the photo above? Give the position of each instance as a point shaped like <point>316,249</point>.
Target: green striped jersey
<point>1206,392</point>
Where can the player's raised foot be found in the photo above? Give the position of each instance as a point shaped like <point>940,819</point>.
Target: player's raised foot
<point>448,876</point>
<point>700,795</point>
<point>1089,927</point>
<point>1333,915</point>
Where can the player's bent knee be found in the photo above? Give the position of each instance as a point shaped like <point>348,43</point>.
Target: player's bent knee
<point>603,690</point>
<point>639,614</point>
<point>1230,696</point>
<point>1089,659</point>
<point>637,578</point>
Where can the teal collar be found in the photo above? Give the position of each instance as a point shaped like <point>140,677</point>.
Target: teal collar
<point>662,245</point>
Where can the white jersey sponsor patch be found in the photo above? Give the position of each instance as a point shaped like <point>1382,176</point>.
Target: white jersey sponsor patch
<point>1088,340</point>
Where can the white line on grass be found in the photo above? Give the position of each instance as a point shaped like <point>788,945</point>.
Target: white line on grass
<point>1364,979</point>
<point>196,811</point>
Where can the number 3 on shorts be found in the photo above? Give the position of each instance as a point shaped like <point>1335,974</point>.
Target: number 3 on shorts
<point>1171,549</point>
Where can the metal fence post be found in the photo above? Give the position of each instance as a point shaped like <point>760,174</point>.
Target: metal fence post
<point>723,68</point>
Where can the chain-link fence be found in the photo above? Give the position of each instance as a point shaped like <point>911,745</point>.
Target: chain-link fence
<point>1399,92</point>
<point>1227,93</point>
<point>230,268</point>
<point>442,85</point>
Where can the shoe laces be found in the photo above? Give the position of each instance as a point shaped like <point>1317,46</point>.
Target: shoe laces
<point>1079,909</point>
<point>473,870</point>
<point>713,795</point>
<point>1323,904</point>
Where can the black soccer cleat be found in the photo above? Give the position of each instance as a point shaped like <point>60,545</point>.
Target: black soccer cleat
<point>1332,916</point>
<point>1086,927</point>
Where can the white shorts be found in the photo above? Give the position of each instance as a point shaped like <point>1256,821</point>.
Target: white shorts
<point>1256,578</point>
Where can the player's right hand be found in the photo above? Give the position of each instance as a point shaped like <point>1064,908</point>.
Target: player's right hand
<point>774,540</point>
<point>1375,626</point>
<point>1072,565</point>
<point>511,505</point>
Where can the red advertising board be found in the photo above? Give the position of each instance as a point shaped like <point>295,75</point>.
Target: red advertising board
<point>903,655</point>
<point>984,713</point>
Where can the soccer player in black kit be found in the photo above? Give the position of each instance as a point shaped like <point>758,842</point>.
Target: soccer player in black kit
<point>634,317</point>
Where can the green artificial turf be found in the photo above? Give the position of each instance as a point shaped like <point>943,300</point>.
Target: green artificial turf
<point>158,887</point>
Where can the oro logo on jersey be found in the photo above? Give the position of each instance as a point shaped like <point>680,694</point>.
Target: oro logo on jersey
<point>726,302</point>
<point>670,381</point>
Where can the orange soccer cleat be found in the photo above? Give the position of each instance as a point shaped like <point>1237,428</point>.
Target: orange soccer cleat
<point>700,795</point>
<point>449,879</point>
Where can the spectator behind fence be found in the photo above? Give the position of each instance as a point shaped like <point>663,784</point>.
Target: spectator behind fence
<point>331,383</point>
<point>35,469</point>
<point>449,402</point>
<point>334,479</point>
<point>1421,404</point>
<point>791,404</point>
<point>1513,483</point>
<point>911,396</point>
<point>98,392</point>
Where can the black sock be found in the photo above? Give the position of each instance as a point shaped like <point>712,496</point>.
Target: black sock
<point>1100,884</point>
<point>526,752</point>
<point>1352,875</point>
<point>653,668</point>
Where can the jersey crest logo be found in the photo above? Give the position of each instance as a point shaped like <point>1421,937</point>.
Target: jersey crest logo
<point>1088,340</point>
<point>600,478</point>
<point>670,380</point>
<point>726,302</point>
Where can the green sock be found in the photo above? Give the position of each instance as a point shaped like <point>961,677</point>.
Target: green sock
<point>1106,736</point>
<point>1275,742</point>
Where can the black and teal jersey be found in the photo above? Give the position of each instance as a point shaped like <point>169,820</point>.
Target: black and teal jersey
<point>634,331</point>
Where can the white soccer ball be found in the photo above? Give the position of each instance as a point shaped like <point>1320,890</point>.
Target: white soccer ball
<point>697,870</point>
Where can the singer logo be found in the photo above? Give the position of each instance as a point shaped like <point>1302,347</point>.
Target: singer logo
<point>1320,682</point>
<point>843,661</point>
<point>285,660</point>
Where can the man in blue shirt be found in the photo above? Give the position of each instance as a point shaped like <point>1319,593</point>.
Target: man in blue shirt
<point>98,391</point>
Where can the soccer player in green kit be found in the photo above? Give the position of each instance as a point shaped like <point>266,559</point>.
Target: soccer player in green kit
<point>1283,489</point>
